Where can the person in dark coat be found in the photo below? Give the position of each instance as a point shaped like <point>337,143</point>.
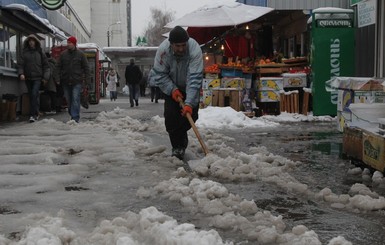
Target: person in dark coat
<point>50,87</point>
<point>133,75</point>
<point>33,69</point>
<point>73,72</point>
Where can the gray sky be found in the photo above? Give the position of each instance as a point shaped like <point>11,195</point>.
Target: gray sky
<point>141,10</point>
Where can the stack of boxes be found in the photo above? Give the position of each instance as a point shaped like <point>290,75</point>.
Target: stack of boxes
<point>293,84</point>
<point>268,94</point>
<point>210,82</point>
<point>356,91</point>
<point>268,89</point>
<point>360,114</point>
<point>225,91</point>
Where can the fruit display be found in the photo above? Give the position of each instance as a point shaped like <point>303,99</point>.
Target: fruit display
<point>212,69</point>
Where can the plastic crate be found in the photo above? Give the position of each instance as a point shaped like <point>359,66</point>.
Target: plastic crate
<point>231,72</point>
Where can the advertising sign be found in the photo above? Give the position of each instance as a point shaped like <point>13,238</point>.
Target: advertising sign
<point>366,13</point>
<point>52,4</point>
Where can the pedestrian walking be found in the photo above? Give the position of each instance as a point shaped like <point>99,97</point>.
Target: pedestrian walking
<point>154,89</point>
<point>73,73</point>
<point>133,75</point>
<point>112,81</point>
<point>50,87</point>
<point>178,69</point>
<point>34,70</point>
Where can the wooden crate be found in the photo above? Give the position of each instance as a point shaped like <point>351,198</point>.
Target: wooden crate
<point>227,97</point>
<point>373,150</point>
<point>352,143</point>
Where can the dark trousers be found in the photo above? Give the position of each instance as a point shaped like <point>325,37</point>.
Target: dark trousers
<point>134,93</point>
<point>53,99</point>
<point>155,93</point>
<point>33,87</point>
<point>176,124</point>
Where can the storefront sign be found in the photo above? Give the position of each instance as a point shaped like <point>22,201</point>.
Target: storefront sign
<point>354,2</point>
<point>334,23</point>
<point>366,13</point>
<point>52,4</point>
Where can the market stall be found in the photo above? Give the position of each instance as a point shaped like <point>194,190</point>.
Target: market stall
<point>240,65</point>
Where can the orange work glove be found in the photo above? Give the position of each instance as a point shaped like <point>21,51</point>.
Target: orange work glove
<point>177,95</point>
<point>186,109</point>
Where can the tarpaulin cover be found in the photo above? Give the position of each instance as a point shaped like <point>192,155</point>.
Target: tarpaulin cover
<point>229,14</point>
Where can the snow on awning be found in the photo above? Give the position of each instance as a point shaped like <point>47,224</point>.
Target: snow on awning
<point>24,13</point>
<point>229,14</point>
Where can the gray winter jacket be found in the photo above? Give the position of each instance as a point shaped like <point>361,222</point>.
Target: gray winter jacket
<point>184,73</point>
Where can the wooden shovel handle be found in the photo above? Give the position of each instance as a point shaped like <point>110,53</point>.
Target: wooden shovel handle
<point>191,121</point>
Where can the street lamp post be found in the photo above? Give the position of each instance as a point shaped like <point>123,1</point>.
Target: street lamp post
<point>109,32</point>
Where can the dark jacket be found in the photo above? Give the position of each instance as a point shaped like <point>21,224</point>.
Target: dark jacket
<point>133,74</point>
<point>51,85</point>
<point>33,63</point>
<point>72,67</point>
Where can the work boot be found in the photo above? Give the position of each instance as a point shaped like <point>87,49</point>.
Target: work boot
<point>178,153</point>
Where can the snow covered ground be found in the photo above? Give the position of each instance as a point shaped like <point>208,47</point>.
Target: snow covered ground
<point>105,181</point>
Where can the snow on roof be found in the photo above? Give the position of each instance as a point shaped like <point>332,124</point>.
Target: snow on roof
<point>44,21</point>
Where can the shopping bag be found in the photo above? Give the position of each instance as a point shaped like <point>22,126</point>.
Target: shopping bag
<point>84,98</point>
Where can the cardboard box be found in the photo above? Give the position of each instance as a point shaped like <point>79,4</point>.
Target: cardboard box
<point>270,83</point>
<point>373,150</point>
<point>212,75</point>
<point>352,143</point>
<point>357,83</point>
<point>294,80</point>
<point>211,83</point>
<point>345,98</point>
<point>232,82</point>
<point>369,97</point>
<point>268,96</point>
<point>206,98</point>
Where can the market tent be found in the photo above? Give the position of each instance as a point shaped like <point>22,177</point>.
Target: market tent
<point>229,14</point>
<point>213,21</point>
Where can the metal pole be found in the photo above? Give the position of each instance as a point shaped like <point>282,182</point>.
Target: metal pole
<point>108,37</point>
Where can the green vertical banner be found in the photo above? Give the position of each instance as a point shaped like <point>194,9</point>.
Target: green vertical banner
<point>332,55</point>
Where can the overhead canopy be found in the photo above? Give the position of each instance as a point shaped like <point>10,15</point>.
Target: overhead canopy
<point>229,14</point>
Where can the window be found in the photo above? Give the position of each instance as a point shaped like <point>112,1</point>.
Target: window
<point>8,46</point>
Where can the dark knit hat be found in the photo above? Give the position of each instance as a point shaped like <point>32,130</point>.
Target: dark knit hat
<point>178,35</point>
<point>72,40</point>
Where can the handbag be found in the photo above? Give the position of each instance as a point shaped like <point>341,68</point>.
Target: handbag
<point>117,84</point>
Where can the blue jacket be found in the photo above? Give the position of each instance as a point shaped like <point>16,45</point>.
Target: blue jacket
<point>184,73</point>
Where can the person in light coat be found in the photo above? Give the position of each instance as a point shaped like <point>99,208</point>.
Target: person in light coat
<point>112,80</point>
<point>178,72</point>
